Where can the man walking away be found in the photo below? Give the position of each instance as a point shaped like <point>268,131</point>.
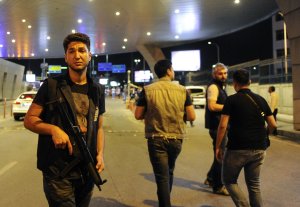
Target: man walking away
<point>163,104</point>
<point>246,112</point>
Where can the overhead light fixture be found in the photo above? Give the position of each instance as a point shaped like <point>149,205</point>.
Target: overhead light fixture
<point>32,54</point>
<point>1,45</point>
<point>79,21</point>
<point>177,11</point>
<point>236,1</point>
<point>118,13</point>
<point>103,43</point>
<point>13,40</point>
<point>46,50</point>
<point>123,47</point>
<point>8,32</point>
<point>29,26</point>
<point>176,37</point>
<point>148,33</point>
<point>125,39</point>
<point>48,37</point>
<point>73,31</point>
<point>23,20</point>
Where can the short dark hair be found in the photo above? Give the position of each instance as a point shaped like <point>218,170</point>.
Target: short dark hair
<point>76,37</point>
<point>272,88</point>
<point>241,77</point>
<point>161,67</point>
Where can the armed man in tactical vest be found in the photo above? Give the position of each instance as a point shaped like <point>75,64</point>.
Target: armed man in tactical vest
<point>67,113</point>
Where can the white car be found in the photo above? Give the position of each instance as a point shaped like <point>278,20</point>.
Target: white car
<point>197,94</point>
<point>22,103</point>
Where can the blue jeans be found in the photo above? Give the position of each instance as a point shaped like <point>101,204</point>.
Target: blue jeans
<point>163,154</point>
<point>251,161</point>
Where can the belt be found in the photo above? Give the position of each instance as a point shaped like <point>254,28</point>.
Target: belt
<point>163,137</point>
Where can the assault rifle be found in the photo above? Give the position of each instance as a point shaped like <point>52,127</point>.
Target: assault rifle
<point>79,139</point>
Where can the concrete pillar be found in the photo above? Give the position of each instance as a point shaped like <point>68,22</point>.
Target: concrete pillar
<point>291,13</point>
<point>151,54</point>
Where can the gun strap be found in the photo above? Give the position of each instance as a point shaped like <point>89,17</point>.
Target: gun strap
<point>257,106</point>
<point>69,167</point>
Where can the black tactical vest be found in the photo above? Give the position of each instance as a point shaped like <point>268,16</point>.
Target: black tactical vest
<point>212,118</point>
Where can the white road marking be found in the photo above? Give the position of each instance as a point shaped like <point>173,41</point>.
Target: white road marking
<point>7,167</point>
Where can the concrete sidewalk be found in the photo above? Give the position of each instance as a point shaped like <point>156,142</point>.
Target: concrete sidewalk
<point>286,131</point>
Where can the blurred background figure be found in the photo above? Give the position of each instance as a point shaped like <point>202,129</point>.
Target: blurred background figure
<point>273,104</point>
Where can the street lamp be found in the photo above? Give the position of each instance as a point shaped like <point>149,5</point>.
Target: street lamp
<point>128,84</point>
<point>285,46</point>
<point>218,49</point>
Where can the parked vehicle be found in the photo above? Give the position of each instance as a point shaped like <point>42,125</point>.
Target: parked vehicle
<point>22,103</point>
<point>197,94</point>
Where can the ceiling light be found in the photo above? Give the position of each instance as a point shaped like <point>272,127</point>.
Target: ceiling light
<point>79,21</point>
<point>29,26</point>
<point>1,45</point>
<point>13,40</point>
<point>148,33</point>
<point>73,31</point>
<point>118,13</point>
<point>236,1</point>
<point>23,20</point>
<point>176,37</point>
<point>176,11</point>
<point>32,54</point>
<point>48,37</point>
<point>46,50</point>
<point>103,43</point>
<point>8,33</point>
<point>125,40</point>
<point>123,47</point>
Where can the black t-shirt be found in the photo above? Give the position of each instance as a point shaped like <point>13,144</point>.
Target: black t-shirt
<point>247,126</point>
<point>79,93</point>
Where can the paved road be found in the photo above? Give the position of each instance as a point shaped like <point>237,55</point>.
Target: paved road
<point>128,170</point>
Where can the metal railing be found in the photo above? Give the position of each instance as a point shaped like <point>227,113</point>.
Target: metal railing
<point>268,71</point>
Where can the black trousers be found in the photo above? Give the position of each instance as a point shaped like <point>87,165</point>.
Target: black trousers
<point>216,168</point>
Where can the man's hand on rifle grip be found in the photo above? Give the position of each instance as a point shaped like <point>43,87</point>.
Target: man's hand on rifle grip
<point>61,139</point>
